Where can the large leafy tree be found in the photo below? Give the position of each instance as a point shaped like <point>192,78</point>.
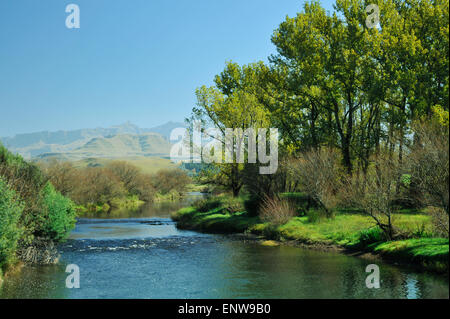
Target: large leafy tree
<point>356,84</point>
<point>338,82</point>
<point>230,104</point>
<point>325,56</point>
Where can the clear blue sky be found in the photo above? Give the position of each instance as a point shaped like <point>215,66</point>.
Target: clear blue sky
<point>138,60</point>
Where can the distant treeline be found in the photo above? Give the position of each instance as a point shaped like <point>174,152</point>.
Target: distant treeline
<point>108,186</point>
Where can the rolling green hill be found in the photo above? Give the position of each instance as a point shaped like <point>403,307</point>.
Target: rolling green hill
<point>148,165</point>
<point>123,145</point>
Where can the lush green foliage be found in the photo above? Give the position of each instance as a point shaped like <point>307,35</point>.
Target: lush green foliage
<point>371,235</point>
<point>59,214</point>
<point>118,184</point>
<point>28,182</point>
<point>431,253</point>
<point>30,208</point>
<point>10,231</point>
<point>362,112</point>
<point>217,220</point>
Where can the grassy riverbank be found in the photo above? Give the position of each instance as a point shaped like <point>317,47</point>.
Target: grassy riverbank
<point>352,231</point>
<point>32,213</point>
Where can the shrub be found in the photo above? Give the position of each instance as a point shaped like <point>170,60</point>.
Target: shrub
<point>252,205</point>
<point>127,174</point>
<point>260,185</point>
<point>10,231</point>
<point>63,176</point>
<point>376,192</point>
<point>276,210</point>
<point>60,214</point>
<point>371,235</point>
<point>300,201</point>
<point>206,204</point>
<point>440,221</point>
<point>144,188</point>
<point>429,164</point>
<point>167,180</point>
<point>234,205</point>
<point>27,181</point>
<point>98,186</point>
<point>316,215</point>
<point>320,176</point>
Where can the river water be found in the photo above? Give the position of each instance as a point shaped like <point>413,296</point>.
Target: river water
<point>143,255</point>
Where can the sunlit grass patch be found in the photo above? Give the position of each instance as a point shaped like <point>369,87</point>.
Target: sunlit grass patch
<point>215,220</point>
<point>432,253</point>
<point>349,228</point>
<point>425,248</point>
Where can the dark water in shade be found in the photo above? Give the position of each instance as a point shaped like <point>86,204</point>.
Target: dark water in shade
<point>147,257</point>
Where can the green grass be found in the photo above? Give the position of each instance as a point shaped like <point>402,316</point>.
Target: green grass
<point>343,229</point>
<point>430,252</point>
<point>216,220</point>
<point>347,229</point>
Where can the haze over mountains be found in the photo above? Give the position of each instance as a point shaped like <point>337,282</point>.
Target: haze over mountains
<point>116,141</point>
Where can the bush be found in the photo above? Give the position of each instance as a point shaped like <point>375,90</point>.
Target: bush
<point>127,174</point>
<point>371,235</point>
<point>63,176</point>
<point>316,215</point>
<point>440,221</point>
<point>429,164</point>
<point>10,231</point>
<point>320,175</point>
<point>166,180</point>
<point>98,185</point>
<point>234,205</point>
<point>206,204</point>
<point>144,188</point>
<point>252,205</point>
<point>276,210</point>
<point>375,193</point>
<point>302,202</point>
<point>60,214</point>
<point>27,181</point>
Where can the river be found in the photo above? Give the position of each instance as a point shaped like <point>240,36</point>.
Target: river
<point>142,254</point>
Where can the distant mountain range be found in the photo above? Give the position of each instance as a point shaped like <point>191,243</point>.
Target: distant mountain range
<point>116,141</point>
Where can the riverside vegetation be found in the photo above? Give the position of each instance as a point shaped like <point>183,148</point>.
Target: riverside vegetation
<point>39,202</point>
<point>33,214</point>
<point>117,185</point>
<point>363,120</point>
<point>363,124</point>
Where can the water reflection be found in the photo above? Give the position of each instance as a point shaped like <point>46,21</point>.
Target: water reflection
<point>161,209</point>
<point>411,287</point>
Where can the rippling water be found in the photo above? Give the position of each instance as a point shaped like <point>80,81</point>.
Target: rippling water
<point>148,257</point>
